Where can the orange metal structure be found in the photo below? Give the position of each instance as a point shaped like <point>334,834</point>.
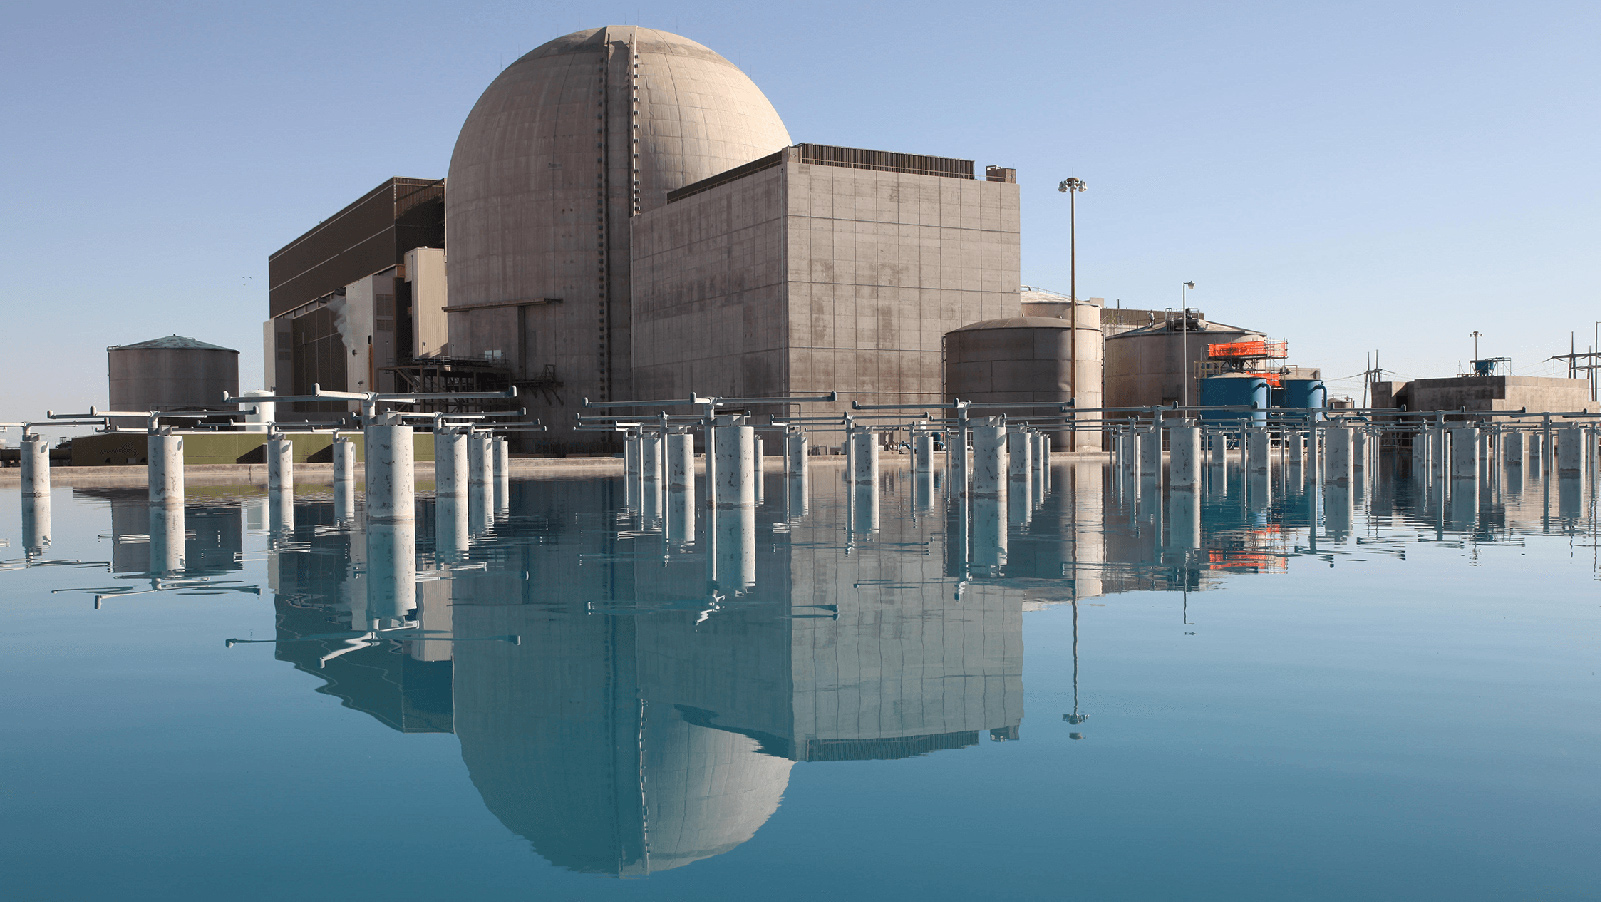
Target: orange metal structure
<point>1238,349</point>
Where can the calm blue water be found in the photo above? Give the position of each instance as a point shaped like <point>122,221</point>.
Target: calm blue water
<point>1109,692</point>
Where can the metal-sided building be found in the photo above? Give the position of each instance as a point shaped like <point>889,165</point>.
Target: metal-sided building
<point>359,295</point>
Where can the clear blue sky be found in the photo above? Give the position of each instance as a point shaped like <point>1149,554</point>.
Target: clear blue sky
<point>1347,176</point>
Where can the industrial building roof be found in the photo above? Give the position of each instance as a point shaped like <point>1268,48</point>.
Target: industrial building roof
<point>171,341</point>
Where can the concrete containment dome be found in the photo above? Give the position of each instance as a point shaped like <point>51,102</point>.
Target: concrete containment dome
<point>562,149</point>
<point>170,373</point>
<point>1026,359</point>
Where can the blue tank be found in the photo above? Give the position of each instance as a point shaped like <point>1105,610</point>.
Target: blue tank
<point>1306,393</point>
<point>1235,391</point>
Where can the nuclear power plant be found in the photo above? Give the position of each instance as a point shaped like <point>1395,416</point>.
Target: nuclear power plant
<point>626,216</point>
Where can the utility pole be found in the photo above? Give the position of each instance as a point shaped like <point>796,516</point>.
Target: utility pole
<point>1072,186</point>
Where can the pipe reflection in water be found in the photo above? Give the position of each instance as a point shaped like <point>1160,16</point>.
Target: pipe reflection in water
<point>1183,519</point>
<point>1020,501</point>
<point>1570,498</point>
<point>679,525</point>
<point>989,534</point>
<point>166,539</point>
<point>1338,510</point>
<point>922,491</point>
<point>1258,496</point>
<point>35,525</point>
<point>503,497</point>
<point>391,574</point>
<point>864,513</point>
<point>798,494</point>
<point>451,529</point>
<point>480,507</point>
<point>736,548</point>
<point>1464,503</point>
<point>281,509</point>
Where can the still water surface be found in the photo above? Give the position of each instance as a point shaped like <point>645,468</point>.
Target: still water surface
<point>1099,690</point>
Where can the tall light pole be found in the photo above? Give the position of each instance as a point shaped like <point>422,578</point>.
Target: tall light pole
<point>1072,186</point>
<point>1184,344</point>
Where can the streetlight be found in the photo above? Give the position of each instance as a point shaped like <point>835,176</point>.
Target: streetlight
<point>1184,343</point>
<point>1071,187</point>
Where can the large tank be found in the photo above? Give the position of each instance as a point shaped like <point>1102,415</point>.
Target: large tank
<point>1027,359</point>
<point>1306,393</point>
<point>171,373</point>
<point>562,149</point>
<point>1146,367</point>
<point>1235,390</point>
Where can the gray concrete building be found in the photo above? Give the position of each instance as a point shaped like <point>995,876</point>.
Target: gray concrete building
<point>820,268</point>
<point>1533,393</point>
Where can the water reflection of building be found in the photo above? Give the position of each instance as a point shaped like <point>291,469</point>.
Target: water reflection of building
<point>320,593</point>
<point>658,693</point>
<point>212,532</point>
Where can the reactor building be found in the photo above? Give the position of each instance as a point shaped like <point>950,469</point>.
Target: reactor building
<point>626,217</point>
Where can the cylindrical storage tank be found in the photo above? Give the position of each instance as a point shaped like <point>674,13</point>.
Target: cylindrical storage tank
<point>1306,393</point>
<point>1029,359</point>
<point>1235,390</point>
<point>171,373</point>
<point>1146,367</point>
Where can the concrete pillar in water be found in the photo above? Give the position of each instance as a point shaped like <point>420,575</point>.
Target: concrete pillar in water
<point>794,452</point>
<point>502,464</point>
<point>1150,441</point>
<point>164,456</point>
<point>681,462</point>
<point>1294,447</point>
<point>1512,448</point>
<point>391,475</point>
<point>35,525</point>
<point>1359,449</point>
<point>1314,454</point>
<point>344,454</point>
<point>1256,441</point>
<point>1570,452</point>
<point>480,459</point>
<point>735,484</point>
<point>1184,458</point>
<point>923,452</point>
<point>651,463</point>
<point>989,460</point>
<point>450,462</point>
<point>1534,457</point>
<point>759,465</point>
<point>35,466</point>
<point>957,477</point>
<point>280,463</point>
<point>1217,448</point>
<point>1341,465</point>
<point>391,565</point>
<point>864,458</point>
<point>1019,454</point>
<point>1465,453</point>
<point>166,538</point>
